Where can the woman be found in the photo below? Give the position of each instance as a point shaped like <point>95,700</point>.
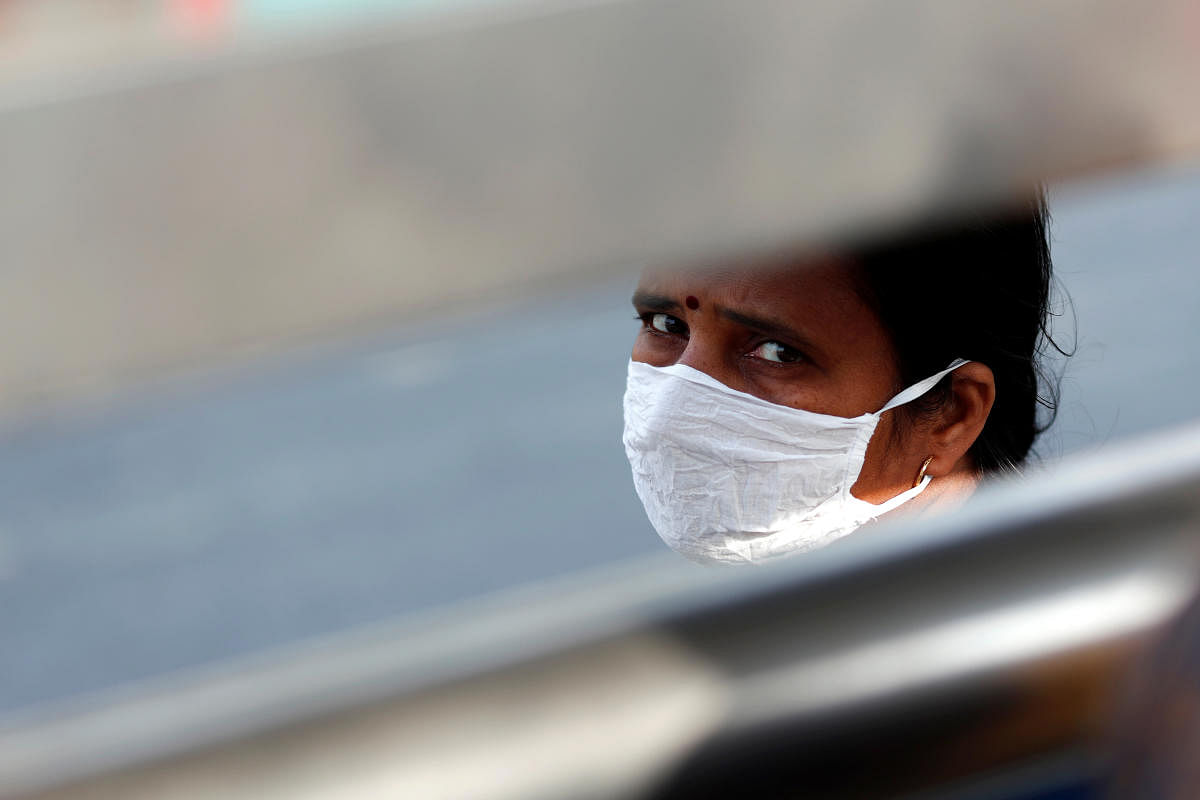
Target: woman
<point>777,404</point>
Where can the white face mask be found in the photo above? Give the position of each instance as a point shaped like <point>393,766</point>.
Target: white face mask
<point>729,477</point>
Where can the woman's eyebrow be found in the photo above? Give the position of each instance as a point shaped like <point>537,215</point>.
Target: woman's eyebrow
<point>654,302</point>
<point>769,327</point>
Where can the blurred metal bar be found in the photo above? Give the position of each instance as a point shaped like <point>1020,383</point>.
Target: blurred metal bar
<point>178,210</point>
<point>934,650</point>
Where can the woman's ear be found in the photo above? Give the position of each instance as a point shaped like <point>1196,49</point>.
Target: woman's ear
<point>972,393</point>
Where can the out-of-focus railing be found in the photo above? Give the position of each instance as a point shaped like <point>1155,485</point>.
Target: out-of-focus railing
<point>935,651</point>
<point>180,209</point>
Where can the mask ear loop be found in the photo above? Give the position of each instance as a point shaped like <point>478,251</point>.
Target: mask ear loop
<point>915,391</point>
<point>924,468</point>
<point>918,389</point>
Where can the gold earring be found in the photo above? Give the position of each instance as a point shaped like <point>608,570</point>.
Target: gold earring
<point>921,475</point>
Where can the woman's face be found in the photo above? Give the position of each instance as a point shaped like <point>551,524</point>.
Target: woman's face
<point>796,335</point>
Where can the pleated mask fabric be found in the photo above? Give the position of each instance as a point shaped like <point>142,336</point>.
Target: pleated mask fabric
<point>727,477</point>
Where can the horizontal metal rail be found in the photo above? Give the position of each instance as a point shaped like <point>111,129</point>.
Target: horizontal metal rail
<point>169,211</point>
<point>933,649</point>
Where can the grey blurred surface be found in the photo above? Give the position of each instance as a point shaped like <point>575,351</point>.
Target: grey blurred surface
<point>222,514</point>
<point>182,208</point>
<point>210,519</point>
<point>1127,251</point>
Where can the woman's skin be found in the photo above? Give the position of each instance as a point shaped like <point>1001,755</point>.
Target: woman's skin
<point>801,336</point>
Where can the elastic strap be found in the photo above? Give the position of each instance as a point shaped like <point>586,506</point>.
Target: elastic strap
<point>918,389</point>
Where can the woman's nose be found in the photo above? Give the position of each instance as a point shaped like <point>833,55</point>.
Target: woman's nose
<point>705,354</point>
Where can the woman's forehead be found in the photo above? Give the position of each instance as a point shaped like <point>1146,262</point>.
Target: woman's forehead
<point>791,286</point>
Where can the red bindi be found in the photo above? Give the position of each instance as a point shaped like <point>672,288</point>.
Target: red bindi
<point>692,303</point>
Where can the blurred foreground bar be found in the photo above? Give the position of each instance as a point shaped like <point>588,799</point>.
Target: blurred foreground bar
<point>994,643</point>
<point>161,212</point>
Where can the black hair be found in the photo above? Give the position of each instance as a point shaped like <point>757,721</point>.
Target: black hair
<point>978,289</point>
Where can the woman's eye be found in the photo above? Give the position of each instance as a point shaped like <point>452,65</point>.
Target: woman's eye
<point>777,352</point>
<point>665,323</point>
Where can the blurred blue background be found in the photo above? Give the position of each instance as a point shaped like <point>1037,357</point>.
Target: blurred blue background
<point>215,516</point>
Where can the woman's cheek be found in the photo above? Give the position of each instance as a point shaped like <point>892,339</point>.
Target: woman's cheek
<point>791,386</point>
<point>660,351</point>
